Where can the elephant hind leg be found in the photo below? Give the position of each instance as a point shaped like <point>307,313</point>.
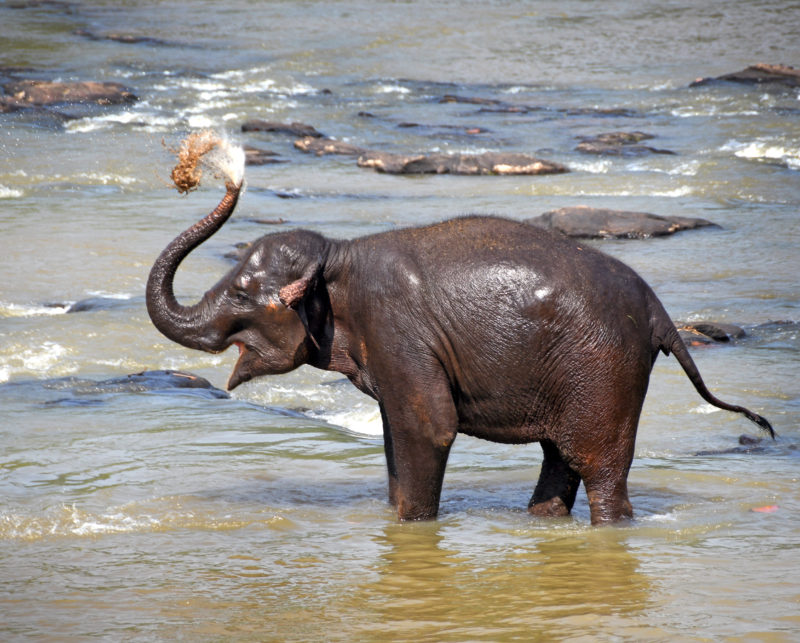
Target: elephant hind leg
<point>608,500</point>
<point>605,477</point>
<point>557,486</point>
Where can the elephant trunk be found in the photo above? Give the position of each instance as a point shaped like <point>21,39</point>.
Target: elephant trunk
<point>186,325</point>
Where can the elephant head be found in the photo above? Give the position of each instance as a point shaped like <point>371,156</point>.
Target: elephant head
<point>273,305</point>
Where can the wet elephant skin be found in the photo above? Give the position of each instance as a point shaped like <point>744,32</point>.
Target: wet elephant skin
<point>476,325</point>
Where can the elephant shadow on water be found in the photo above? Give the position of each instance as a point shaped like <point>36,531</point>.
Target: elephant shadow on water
<point>438,580</point>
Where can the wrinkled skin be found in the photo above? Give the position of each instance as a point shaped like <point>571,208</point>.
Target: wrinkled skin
<point>482,326</point>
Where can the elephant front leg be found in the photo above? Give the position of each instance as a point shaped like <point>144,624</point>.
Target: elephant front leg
<point>388,449</point>
<point>557,487</point>
<point>418,433</point>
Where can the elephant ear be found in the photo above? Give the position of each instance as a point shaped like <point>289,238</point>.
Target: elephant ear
<point>294,295</point>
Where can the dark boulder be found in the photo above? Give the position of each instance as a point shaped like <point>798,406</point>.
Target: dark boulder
<point>704,332</point>
<point>618,144</point>
<point>490,163</point>
<point>293,129</point>
<point>759,74</point>
<point>598,223</point>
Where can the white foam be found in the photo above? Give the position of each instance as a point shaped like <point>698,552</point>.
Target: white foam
<point>391,89</point>
<point>152,122</point>
<point>592,167</point>
<point>765,150</point>
<point>363,418</point>
<point>705,409</point>
<point>69,520</point>
<point>17,310</point>
<point>46,359</point>
<point>683,190</point>
<point>110,295</point>
<point>670,517</point>
<point>9,193</point>
<point>42,358</point>
<point>199,121</point>
<point>689,168</point>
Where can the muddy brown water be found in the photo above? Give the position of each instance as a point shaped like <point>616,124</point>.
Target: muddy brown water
<point>147,515</point>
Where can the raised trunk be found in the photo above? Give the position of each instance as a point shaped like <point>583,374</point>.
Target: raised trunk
<point>185,324</point>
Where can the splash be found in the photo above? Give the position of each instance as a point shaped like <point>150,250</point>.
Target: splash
<point>208,150</point>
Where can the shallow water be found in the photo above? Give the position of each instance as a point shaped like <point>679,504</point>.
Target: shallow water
<point>153,515</point>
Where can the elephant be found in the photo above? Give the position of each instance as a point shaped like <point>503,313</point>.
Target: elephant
<point>479,325</point>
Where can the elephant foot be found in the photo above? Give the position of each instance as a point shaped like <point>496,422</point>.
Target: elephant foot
<point>606,510</point>
<point>553,508</point>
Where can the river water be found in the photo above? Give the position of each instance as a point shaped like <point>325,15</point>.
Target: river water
<point>131,514</point>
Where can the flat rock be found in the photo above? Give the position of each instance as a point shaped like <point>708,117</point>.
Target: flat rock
<point>490,163</point>
<point>294,128</point>
<point>759,74</point>
<point>39,93</point>
<point>705,332</point>
<point>256,156</point>
<point>322,146</point>
<point>599,223</point>
<point>619,144</point>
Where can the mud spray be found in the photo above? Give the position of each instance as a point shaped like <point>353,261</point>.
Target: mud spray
<point>211,151</point>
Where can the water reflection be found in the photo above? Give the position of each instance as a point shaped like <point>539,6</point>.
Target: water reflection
<point>440,581</point>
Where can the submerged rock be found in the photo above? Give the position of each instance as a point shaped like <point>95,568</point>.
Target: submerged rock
<point>472,100</point>
<point>123,38</point>
<point>759,74</point>
<point>93,304</point>
<point>493,105</point>
<point>74,391</point>
<point>619,144</point>
<point>490,163</point>
<point>599,223</point>
<point>256,156</point>
<point>747,444</point>
<point>294,129</point>
<point>69,7</point>
<point>148,381</point>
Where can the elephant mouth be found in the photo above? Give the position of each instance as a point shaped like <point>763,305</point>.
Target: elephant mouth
<point>243,370</point>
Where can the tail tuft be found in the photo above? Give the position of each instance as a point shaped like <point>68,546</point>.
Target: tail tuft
<point>762,422</point>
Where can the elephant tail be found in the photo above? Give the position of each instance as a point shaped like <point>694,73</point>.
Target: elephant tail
<point>669,341</point>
